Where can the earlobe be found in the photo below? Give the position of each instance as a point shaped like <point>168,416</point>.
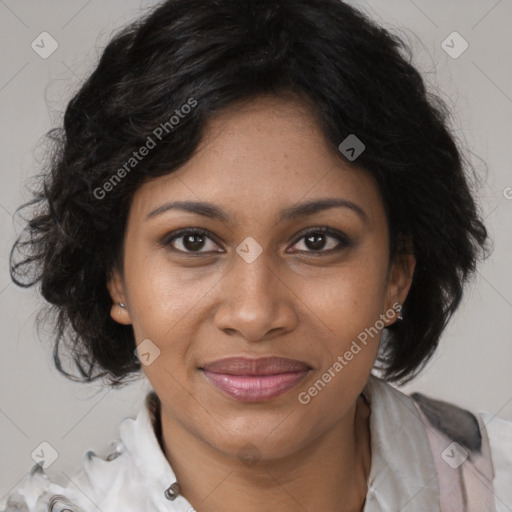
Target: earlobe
<point>118,311</point>
<point>120,314</point>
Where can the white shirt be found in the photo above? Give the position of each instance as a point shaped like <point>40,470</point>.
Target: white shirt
<point>136,475</point>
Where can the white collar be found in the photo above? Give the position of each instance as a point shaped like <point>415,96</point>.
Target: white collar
<point>402,475</point>
<point>139,437</point>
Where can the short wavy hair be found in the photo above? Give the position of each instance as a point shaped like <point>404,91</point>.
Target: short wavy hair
<point>356,78</point>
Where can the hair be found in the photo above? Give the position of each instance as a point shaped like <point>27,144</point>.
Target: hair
<point>355,77</point>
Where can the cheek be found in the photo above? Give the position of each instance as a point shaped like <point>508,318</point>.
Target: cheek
<point>350,298</point>
<point>161,293</point>
<point>169,305</point>
<point>347,313</point>
<point>346,308</point>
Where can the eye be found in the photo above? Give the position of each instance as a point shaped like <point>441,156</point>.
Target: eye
<point>317,239</point>
<point>191,240</point>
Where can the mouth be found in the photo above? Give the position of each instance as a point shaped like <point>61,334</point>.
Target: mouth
<point>255,380</point>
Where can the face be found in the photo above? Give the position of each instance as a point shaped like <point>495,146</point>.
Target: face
<point>264,279</point>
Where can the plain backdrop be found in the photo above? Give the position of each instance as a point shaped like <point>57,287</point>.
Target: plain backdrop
<point>472,365</point>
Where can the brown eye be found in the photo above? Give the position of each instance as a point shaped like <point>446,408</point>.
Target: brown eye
<point>323,241</point>
<point>191,241</point>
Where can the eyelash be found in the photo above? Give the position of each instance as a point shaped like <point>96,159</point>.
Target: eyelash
<point>344,241</point>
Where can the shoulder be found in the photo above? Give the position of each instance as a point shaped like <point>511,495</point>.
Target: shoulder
<point>470,451</point>
<point>38,492</point>
<point>118,480</point>
<point>469,439</point>
<point>499,431</point>
<point>456,423</point>
<point>467,428</point>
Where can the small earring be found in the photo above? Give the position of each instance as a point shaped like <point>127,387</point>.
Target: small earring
<point>400,317</point>
<point>122,305</point>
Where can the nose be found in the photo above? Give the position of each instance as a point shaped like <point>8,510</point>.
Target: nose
<point>256,302</point>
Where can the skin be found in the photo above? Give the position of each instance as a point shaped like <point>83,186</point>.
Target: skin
<point>255,160</point>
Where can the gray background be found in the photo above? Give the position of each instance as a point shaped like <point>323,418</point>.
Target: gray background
<point>472,365</point>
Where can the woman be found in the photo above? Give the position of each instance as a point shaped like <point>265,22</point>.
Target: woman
<point>257,204</point>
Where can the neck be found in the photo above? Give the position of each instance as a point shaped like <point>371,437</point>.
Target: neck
<point>329,474</point>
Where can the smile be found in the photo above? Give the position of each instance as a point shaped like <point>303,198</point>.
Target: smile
<point>255,380</point>
<point>254,388</point>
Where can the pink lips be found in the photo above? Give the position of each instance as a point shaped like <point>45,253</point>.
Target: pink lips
<point>255,380</point>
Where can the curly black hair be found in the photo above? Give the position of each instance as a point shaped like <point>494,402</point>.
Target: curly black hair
<point>356,78</point>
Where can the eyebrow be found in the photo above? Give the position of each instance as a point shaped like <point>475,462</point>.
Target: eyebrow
<point>212,211</point>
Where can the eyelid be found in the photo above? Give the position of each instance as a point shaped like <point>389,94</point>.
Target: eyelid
<point>169,238</point>
<point>344,240</point>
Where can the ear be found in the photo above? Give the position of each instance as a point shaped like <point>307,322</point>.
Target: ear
<point>115,285</point>
<point>399,281</point>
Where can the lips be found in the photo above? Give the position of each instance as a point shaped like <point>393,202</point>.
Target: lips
<point>255,380</point>
<point>260,366</point>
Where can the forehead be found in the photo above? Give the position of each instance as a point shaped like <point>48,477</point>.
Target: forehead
<point>258,157</point>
